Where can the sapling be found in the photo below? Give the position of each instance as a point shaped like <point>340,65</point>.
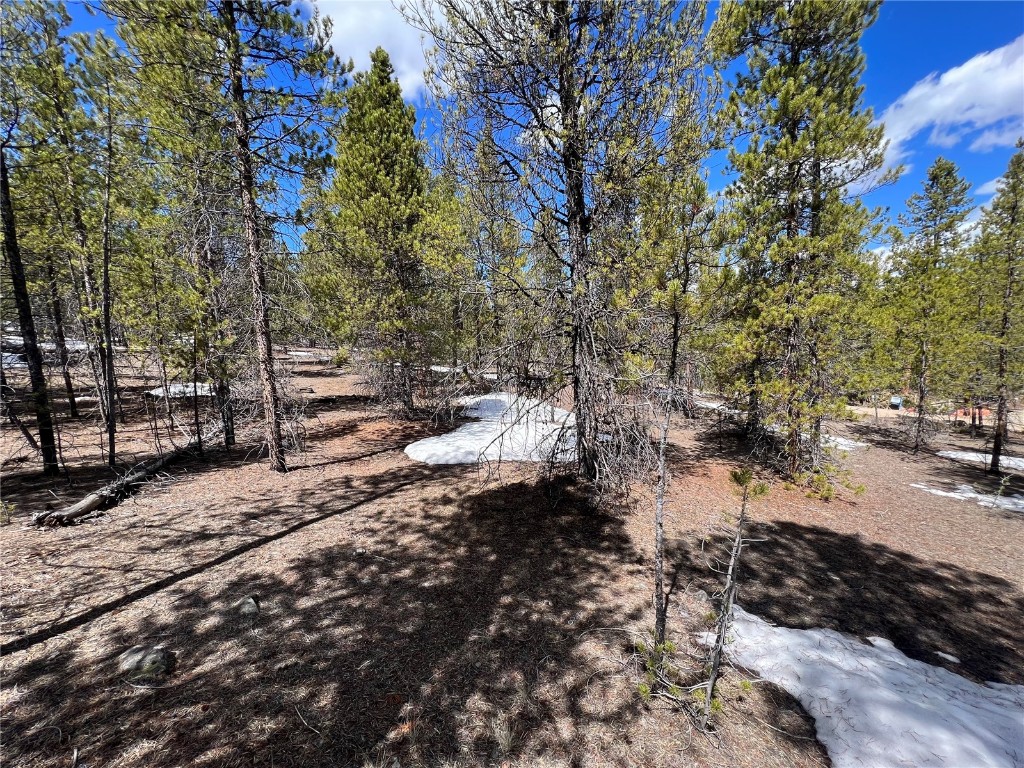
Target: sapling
<point>743,478</point>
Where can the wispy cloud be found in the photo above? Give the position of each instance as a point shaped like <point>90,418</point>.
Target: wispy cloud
<point>362,25</point>
<point>982,98</point>
<point>988,188</point>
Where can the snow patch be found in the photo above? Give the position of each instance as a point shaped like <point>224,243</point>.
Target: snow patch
<point>12,360</point>
<point>874,706</point>
<point>1005,462</point>
<point>948,657</point>
<point>1010,502</point>
<point>183,390</point>
<point>510,428</point>
<point>841,443</point>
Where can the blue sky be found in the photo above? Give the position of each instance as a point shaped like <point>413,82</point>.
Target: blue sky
<point>946,77</point>
<point>927,73</point>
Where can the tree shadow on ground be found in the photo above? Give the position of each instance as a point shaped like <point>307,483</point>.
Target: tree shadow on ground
<point>808,576</point>
<point>437,626</point>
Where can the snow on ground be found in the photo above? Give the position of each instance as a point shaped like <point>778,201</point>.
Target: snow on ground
<point>510,428</point>
<point>12,360</point>
<point>71,345</point>
<point>1005,462</point>
<point>841,443</point>
<point>873,706</point>
<point>183,390</point>
<point>1010,502</point>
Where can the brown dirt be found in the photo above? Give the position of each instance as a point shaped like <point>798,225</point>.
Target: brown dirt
<point>442,617</point>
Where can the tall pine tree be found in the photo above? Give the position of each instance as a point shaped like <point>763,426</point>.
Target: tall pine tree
<point>809,137</point>
<point>1002,244</point>
<point>367,258</point>
<point>927,297</point>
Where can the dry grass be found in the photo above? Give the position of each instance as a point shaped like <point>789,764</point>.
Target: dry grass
<point>430,616</point>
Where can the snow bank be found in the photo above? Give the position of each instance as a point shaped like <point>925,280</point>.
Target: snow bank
<point>510,428</point>
<point>1005,462</point>
<point>873,706</point>
<point>183,390</point>
<point>1010,502</point>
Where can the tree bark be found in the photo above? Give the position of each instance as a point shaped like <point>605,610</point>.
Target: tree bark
<point>91,326</point>
<point>251,237</point>
<point>577,220</point>
<point>19,286</point>
<point>660,598</point>
<point>108,339</point>
<point>56,307</point>
<point>1003,402</point>
<point>922,396</point>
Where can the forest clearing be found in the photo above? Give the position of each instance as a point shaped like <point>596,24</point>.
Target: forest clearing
<point>445,615</point>
<point>511,383</point>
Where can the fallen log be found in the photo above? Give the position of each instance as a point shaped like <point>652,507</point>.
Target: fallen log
<point>109,494</point>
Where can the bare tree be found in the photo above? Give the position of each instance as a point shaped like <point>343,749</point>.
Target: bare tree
<point>574,99</point>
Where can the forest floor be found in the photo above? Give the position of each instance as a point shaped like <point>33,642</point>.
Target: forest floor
<point>442,616</point>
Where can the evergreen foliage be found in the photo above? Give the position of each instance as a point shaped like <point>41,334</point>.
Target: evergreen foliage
<point>799,237</point>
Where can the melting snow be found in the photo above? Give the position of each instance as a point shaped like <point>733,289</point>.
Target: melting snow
<point>841,443</point>
<point>12,360</point>
<point>873,706</point>
<point>1011,502</point>
<point>183,390</point>
<point>1005,462</point>
<point>510,428</point>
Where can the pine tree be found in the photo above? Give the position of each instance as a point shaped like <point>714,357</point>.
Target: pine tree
<point>368,269</point>
<point>800,238</point>
<point>1002,244</point>
<point>271,76</point>
<point>573,97</point>
<point>24,41</point>
<point>927,297</point>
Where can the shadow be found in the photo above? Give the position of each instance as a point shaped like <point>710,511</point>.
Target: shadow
<point>810,577</point>
<point>437,624</point>
<point>383,487</point>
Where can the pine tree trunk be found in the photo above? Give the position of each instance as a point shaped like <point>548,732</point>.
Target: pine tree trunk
<point>215,305</point>
<point>583,366</point>
<point>108,338</point>
<point>922,396</point>
<point>660,598</point>
<point>91,328</point>
<point>1002,406</point>
<point>19,287</point>
<point>57,309</point>
<point>250,220</point>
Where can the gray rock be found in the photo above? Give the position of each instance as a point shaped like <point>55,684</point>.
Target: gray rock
<point>146,662</point>
<point>248,605</point>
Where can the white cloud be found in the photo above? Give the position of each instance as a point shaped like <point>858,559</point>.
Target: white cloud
<point>1005,136</point>
<point>361,25</point>
<point>985,93</point>
<point>988,188</point>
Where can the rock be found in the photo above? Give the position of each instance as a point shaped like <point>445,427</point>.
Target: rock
<point>146,662</point>
<point>248,605</point>
<point>360,552</point>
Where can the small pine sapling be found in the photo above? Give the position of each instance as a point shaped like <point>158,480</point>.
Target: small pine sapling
<point>744,480</point>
